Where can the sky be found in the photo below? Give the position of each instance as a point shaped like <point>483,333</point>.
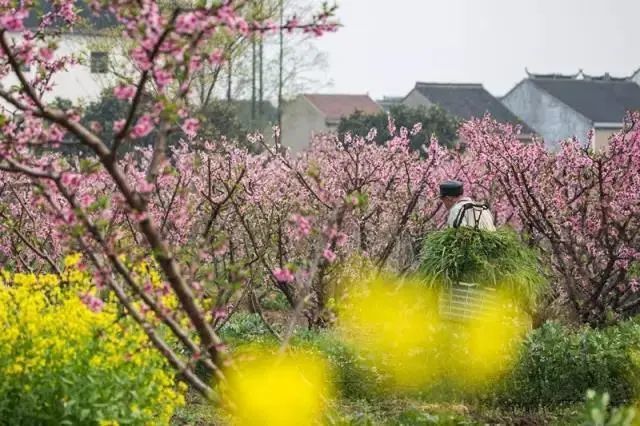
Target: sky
<point>385,46</point>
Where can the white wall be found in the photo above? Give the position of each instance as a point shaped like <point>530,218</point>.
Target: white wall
<point>547,116</point>
<point>415,99</point>
<point>300,119</point>
<point>78,83</point>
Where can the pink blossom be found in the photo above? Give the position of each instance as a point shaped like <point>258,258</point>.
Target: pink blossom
<point>92,302</point>
<point>71,179</point>
<point>216,57</point>
<point>283,275</point>
<point>163,78</point>
<point>13,21</point>
<point>391,125</point>
<point>195,63</point>
<point>118,125</point>
<point>190,127</point>
<point>187,23</point>
<point>292,24</point>
<point>329,255</point>
<point>341,239</point>
<point>96,127</point>
<point>143,127</point>
<point>124,92</point>
<point>86,200</point>
<point>303,225</point>
<point>46,53</point>
<point>242,26</point>
<point>220,313</point>
<point>141,58</point>
<point>372,134</point>
<point>56,133</point>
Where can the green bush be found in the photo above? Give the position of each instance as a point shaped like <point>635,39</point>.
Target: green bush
<point>557,366</point>
<point>598,412</point>
<point>354,379</point>
<point>245,327</point>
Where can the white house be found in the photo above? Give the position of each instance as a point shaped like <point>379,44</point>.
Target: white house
<point>311,114</point>
<point>563,106</point>
<point>93,43</point>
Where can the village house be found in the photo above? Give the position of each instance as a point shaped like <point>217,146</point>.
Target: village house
<point>310,114</point>
<point>464,101</point>
<point>563,106</point>
<point>92,41</point>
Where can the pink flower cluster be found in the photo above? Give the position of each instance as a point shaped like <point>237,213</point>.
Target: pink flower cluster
<point>283,275</point>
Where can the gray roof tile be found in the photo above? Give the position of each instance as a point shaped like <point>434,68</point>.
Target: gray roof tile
<point>466,101</point>
<point>604,101</point>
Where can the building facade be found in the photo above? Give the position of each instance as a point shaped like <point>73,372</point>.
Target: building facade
<point>93,43</point>
<point>311,114</point>
<point>559,107</point>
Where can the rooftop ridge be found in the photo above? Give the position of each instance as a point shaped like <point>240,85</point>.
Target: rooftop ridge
<point>552,76</point>
<point>336,94</point>
<point>450,84</point>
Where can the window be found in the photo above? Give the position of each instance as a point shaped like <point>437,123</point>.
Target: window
<point>99,62</point>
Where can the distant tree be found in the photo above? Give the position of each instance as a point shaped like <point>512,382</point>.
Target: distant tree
<point>435,121</point>
<point>218,119</point>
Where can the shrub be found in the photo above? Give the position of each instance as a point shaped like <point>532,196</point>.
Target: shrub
<point>558,366</point>
<point>353,378</point>
<point>243,327</point>
<point>597,412</point>
<point>63,363</point>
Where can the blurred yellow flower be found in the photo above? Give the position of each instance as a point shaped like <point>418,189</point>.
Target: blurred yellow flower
<point>278,389</point>
<point>395,324</point>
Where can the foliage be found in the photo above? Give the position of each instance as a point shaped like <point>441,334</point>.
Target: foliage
<point>557,365</point>
<point>353,379</point>
<point>435,123</point>
<point>497,259</point>
<point>245,327</point>
<point>62,363</point>
<point>222,120</point>
<point>598,413</point>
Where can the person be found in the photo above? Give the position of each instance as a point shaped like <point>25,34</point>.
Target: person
<point>463,211</point>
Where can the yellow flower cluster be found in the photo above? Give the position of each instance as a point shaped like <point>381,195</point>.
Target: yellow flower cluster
<point>52,344</point>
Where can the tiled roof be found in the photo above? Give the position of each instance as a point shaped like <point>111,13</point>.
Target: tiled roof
<point>335,107</point>
<point>466,101</point>
<point>599,100</point>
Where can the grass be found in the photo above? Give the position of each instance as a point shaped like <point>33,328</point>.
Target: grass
<point>400,411</point>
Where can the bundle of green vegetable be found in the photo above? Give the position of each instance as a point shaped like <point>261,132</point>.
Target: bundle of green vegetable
<point>493,259</point>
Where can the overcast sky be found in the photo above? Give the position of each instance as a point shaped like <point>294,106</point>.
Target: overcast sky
<point>386,46</point>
